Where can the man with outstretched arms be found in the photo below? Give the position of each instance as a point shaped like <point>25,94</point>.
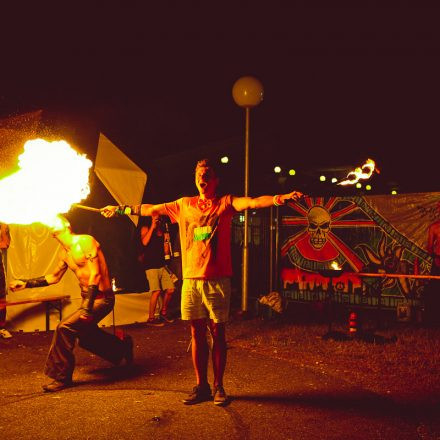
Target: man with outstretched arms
<point>205,235</point>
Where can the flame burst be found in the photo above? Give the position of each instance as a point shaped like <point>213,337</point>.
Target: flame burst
<point>363,172</point>
<point>52,176</point>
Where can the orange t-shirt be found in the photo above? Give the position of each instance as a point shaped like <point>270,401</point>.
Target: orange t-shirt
<point>205,236</point>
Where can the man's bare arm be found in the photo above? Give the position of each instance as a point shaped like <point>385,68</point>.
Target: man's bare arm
<point>93,267</point>
<point>57,274</point>
<point>242,203</point>
<point>147,232</point>
<point>90,249</point>
<point>42,281</point>
<point>144,210</point>
<point>149,210</point>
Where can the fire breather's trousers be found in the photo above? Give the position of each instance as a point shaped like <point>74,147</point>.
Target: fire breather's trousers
<point>61,360</point>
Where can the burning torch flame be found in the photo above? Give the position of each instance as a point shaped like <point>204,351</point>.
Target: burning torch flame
<point>52,176</point>
<point>363,172</point>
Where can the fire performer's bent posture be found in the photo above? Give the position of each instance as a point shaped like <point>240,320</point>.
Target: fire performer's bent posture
<point>205,235</point>
<point>83,255</point>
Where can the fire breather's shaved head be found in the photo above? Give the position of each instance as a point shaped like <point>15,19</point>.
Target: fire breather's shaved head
<point>60,225</point>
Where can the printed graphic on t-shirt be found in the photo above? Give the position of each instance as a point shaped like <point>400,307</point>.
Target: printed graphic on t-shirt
<point>202,233</point>
<point>205,236</point>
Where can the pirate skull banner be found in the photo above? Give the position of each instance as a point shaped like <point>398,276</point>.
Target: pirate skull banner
<point>368,234</point>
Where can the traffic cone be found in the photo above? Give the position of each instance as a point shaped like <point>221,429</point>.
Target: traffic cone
<point>353,324</point>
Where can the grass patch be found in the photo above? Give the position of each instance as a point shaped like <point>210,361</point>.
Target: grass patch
<point>400,361</point>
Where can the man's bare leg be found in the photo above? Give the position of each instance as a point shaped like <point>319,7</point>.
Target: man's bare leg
<point>152,309</point>
<point>166,300</point>
<point>219,351</point>
<point>200,350</point>
<point>153,303</point>
<point>219,354</point>
<point>200,356</point>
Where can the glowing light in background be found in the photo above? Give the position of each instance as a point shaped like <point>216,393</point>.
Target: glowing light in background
<point>334,180</point>
<point>368,187</point>
<point>277,169</point>
<point>393,192</point>
<point>292,172</point>
<point>335,265</point>
<point>51,177</point>
<point>224,159</point>
<point>358,185</point>
<point>322,178</point>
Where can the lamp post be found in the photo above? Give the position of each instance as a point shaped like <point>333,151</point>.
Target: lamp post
<point>247,93</point>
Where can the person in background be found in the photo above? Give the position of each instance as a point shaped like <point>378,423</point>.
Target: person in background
<point>205,236</point>
<point>5,241</point>
<point>155,247</point>
<point>431,294</point>
<point>83,255</point>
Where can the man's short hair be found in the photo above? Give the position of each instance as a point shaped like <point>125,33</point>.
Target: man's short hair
<point>206,163</point>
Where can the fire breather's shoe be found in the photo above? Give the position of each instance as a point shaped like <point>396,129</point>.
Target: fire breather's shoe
<point>128,356</point>
<point>155,322</point>
<point>166,317</point>
<point>220,397</point>
<point>5,334</point>
<point>200,393</point>
<point>56,385</point>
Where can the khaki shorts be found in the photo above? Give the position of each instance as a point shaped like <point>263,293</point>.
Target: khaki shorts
<point>203,299</point>
<point>159,279</point>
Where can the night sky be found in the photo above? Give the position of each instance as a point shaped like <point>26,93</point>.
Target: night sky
<point>341,85</point>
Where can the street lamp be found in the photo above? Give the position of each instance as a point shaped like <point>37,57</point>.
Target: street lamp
<point>247,93</point>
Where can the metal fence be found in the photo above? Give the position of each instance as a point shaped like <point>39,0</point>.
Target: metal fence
<point>259,249</point>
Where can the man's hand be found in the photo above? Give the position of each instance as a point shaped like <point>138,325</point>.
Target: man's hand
<point>16,285</point>
<point>109,211</point>
<point>155,219</point>
<point>294,195</point>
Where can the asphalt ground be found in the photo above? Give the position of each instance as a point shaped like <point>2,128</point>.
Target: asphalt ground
<point>269,398</point>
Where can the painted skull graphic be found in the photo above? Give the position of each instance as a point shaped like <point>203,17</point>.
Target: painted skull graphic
<point>319,226</point>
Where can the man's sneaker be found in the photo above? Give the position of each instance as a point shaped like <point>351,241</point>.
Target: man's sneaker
<point>200,393</point>
<point>220,397</point>
<point>155,322</point>
<point>56,385</point>
<point>5,334</point>
<point>128,356</point>
<point>166,317</point>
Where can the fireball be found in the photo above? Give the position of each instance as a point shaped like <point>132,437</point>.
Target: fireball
<point>51,177</point>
